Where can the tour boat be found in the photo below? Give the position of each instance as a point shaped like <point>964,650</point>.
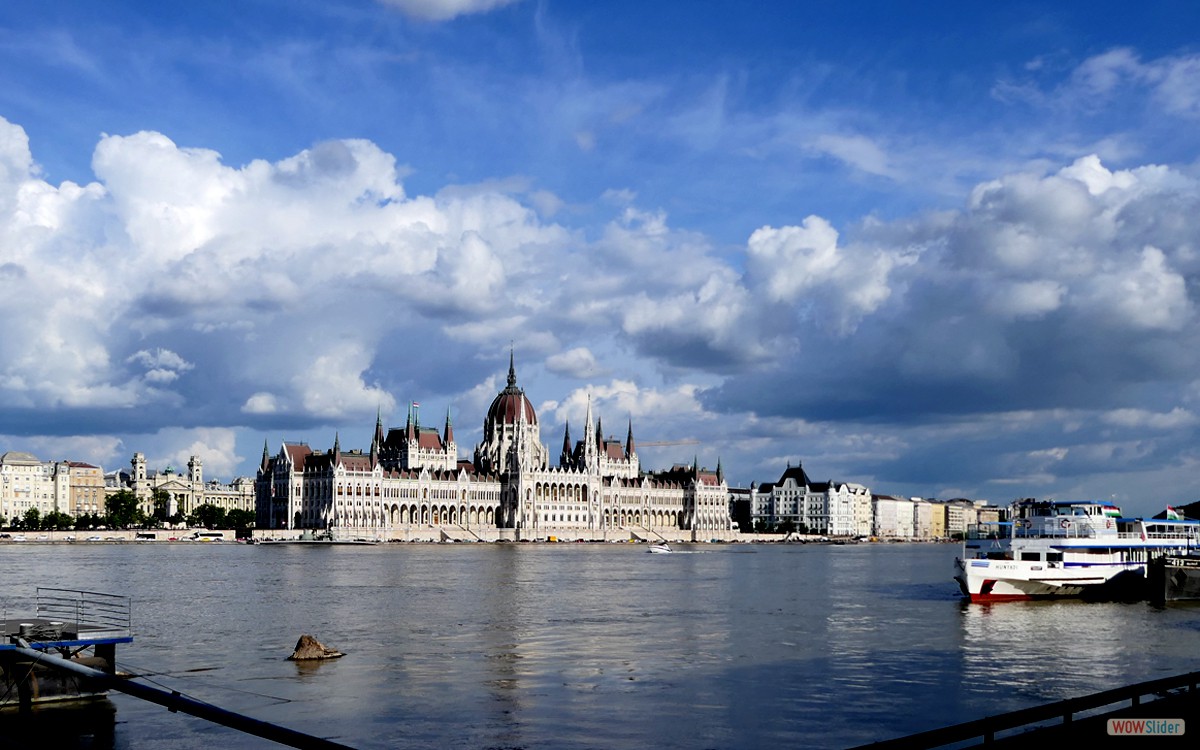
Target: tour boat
<point>661,548</point>
<point>1067,549</point>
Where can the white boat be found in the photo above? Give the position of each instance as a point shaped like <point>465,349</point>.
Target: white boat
<point>661,548</point>
<point>1067,549</point>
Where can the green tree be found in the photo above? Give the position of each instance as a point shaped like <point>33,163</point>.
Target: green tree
<point>32,520</point>
<point>162,503</point>
<point>123,511</point>
<point>786,526</point>
<point>209,516</point>
<point>57,521</point>
<point>241,520</point>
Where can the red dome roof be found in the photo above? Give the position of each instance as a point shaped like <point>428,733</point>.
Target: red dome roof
<point>507,407</point>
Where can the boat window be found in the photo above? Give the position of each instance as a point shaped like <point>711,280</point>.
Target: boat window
<point>1031,556</point>
<point>999,555</point>
<point>1054,557</point>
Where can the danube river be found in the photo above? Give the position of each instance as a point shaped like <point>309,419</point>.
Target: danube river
<point>589,646</point>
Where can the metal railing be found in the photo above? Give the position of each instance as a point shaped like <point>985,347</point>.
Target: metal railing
<point>85,609</point>
<point>988,729</point>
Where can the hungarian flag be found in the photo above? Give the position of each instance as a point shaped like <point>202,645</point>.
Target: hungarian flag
<point>1173,515</point>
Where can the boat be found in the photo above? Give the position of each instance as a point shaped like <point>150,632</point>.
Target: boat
<point>661,548</point>
<point>1175,578</point>
<point>1067,549</point>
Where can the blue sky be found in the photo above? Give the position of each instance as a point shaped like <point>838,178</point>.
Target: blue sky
<point>940,249</point>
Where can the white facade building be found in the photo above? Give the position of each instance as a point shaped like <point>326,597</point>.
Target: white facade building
<point>411,485</point>
<point>29,483</point>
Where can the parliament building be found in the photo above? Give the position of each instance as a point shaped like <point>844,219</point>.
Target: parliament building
<point>412,486</point>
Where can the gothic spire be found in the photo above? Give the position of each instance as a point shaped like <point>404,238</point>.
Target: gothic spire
<point>448,437</point>
<point>566,451</point>
<point>266,460</point>
<point>512,369</point>
<point>629,440</point>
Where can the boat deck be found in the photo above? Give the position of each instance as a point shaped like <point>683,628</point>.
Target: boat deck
<point>69,618</point>
<point>41,632</point>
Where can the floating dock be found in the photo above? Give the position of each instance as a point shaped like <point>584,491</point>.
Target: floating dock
<point>82,627</point>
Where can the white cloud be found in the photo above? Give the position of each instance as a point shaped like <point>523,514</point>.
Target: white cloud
<point>215,447</point>
<point>261,403</point>
<point>444,10</point>
<point>332,385</point>
<point>804,266</point>
<point>857,151</point>
<point>620,399</point>
<point>577,363</point>
<point>1141,418</point>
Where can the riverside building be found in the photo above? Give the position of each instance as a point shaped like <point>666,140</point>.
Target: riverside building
<point>411,485</point>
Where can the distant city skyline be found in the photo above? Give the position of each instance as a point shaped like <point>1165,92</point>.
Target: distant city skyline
<point>937,250</point>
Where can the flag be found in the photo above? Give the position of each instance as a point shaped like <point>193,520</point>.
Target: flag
<point>1173,515</point>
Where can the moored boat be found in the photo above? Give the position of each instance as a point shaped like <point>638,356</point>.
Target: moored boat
<point>1175,578</point>
<point>1067,549</point>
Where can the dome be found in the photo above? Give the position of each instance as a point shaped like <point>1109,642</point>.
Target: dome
<point>510,402</point>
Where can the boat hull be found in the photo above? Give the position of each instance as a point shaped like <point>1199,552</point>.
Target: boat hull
<point>1176,579</point>
<point>1002,581</point>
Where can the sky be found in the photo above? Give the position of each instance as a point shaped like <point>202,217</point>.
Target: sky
<point>940,249</point>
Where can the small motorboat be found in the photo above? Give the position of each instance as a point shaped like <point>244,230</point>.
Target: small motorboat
<point>661,548</point>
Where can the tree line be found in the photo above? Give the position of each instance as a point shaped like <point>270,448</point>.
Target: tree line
<point>123,511</point>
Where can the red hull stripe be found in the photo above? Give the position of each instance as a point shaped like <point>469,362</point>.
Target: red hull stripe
<point>982,598</point>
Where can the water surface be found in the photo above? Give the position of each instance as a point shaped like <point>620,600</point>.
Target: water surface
<point>591,646</point>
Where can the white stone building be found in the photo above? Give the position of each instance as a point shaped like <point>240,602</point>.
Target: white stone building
<point>186,492</point>
<point>27,482</point>
<point>830,508</point>
<point>411,485</point>
<point>893,517</point>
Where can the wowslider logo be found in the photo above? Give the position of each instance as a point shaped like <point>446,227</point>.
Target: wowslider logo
<point>1145,727</point>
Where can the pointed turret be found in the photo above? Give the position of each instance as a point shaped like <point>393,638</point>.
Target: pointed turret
<point>599,435</point>
<point>337,449</point>
<point>410,433</point>
<point>720,471</point>
<point>266,458</point>
<point>448,436</point>
<point>589,440</point>
<point>377,439</point>
<point>629,439</point>
<point>512,368</point>
<point>566,451</point>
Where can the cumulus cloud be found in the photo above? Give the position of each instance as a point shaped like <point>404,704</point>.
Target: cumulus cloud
<point>215,447</point>
<point>627,398</point>
<point>1044,291</point>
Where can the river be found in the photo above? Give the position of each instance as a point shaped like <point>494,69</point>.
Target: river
<point>511,646</point>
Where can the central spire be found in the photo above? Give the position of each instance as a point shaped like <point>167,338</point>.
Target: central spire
<point>512,369</point>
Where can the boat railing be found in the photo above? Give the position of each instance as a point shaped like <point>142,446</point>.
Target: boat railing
<point>1070,531</point>
<point>89,610</point>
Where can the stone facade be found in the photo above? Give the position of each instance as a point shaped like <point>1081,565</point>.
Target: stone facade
<point>829,508</point>
<point>27,483</point>
<point>186,491</point>
<point>411,485</point>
